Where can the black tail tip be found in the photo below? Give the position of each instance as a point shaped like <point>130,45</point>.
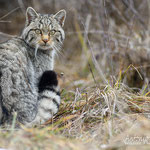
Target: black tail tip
<point>49,78</point>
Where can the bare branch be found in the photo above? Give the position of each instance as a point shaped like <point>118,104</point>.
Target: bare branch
<point>9,13</point>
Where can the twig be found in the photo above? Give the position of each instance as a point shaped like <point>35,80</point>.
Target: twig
<point>3,21</point>
<point>92,73</point>
<point>21,4</point>
<point>9,13</point>
<point>7,35</point>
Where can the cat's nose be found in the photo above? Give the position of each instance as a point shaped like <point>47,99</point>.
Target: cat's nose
<point>45,40</point>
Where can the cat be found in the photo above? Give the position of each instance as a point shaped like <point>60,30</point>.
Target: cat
<point>28,84</point>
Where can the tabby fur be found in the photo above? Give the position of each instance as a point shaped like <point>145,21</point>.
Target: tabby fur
<point>28,84</point>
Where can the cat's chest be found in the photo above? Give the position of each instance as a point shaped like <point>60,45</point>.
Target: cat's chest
<point>39,64</point>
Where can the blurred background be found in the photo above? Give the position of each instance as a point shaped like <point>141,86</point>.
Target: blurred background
<point>105,39</point>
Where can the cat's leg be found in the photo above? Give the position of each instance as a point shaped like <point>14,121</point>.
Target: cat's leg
<point>49,98</point>
<point>1,112</point>
<point>17,94</point>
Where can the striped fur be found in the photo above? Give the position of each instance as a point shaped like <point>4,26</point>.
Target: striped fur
<point>28,84</point>
<point>44,27</point>
<point>49,98</point>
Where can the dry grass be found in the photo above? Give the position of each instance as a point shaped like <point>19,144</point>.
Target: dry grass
<point>90,117</point>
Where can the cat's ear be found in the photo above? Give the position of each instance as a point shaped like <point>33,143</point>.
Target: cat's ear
<point>60,17</point>
<point>31,15</point>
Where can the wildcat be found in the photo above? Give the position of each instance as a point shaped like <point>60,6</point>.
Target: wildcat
<point>28,84</point>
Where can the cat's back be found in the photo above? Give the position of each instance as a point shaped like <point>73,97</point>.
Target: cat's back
<point>13,46</point>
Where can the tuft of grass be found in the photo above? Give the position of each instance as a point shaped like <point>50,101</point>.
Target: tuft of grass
<point>96,117</point>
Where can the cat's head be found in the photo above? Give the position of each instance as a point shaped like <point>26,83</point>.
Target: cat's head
<point>44,31</point>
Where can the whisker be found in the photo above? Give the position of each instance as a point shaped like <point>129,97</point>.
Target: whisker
<point>36,49</point>
<point>57,48</point>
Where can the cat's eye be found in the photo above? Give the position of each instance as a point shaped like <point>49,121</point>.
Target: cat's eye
<point>37,31</point>
<point>52,32</point>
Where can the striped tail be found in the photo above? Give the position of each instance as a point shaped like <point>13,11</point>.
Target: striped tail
<point>49,97</point>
